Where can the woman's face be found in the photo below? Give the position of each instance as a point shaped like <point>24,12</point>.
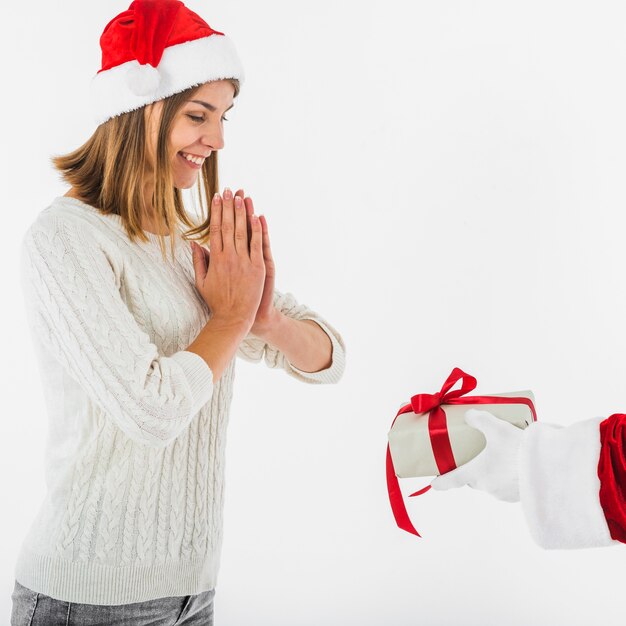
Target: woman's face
<point>197,130</point>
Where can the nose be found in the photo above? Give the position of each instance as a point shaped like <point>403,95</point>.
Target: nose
<point>213,137</point>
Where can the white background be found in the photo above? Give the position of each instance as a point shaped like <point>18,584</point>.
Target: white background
<point>444,182</point>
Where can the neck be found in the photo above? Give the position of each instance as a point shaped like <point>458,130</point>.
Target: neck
<point>147,219</point>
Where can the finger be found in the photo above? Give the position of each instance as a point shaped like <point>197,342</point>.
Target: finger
<point>215,224</point>
<point>241,194</point>
<point>456,478</point>
<point>265,238</point>
<point>256,245</point>
<point>207,256</point>
<point>228,221</point>
<point>249,213</point>
<point>199,266</point>
<point>267,251</point>
<point>485,421</point>
<point>241,227</point>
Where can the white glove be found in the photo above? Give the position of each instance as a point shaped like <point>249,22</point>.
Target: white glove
<point>494,469</point>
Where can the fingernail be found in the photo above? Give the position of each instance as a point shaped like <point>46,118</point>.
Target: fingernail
<point>228,194</point>
<point>216,197</point>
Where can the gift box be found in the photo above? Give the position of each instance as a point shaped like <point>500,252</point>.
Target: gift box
<point>414,447</point>
<point>429,435</point>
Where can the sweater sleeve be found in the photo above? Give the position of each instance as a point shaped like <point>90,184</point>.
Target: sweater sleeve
<point>560,485</point>
<point>254,349</point>
<point>75,310</point>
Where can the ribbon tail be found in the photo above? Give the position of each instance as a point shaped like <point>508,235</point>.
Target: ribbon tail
<point>395,498</point>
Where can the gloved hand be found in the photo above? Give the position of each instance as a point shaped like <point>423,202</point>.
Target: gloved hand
<point>495,468</point>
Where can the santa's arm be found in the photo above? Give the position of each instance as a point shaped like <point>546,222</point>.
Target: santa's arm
<point>572,482</point>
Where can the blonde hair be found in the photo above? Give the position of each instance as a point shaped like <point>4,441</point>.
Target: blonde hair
<point>108,171</point>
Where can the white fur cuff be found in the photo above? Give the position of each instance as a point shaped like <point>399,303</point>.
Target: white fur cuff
<point>559,485</point>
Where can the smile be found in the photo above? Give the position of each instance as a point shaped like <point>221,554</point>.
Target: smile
<point>192,161</point>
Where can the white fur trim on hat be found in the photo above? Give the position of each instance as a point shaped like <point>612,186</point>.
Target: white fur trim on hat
<point>184,65</point>
<point>143,79</point>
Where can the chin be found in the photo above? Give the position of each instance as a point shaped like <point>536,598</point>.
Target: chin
<point>186,183</point>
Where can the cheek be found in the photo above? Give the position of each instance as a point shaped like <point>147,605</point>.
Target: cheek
<point>183,137</point>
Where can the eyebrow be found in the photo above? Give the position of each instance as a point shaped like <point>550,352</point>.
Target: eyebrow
<point>209,106</point>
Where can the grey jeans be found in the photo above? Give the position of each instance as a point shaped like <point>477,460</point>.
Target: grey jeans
<point>31,608</point>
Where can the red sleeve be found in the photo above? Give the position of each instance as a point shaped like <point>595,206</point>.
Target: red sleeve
<point>612,474</point>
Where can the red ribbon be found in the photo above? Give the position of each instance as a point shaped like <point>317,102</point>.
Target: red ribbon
<point>438,431</point>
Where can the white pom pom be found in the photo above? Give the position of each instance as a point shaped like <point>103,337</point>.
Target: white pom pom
<point>143,80</point>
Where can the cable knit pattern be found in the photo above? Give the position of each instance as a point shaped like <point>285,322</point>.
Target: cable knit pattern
<point>136,424</point>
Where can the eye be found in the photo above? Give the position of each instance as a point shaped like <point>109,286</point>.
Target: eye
<point>198,120</point>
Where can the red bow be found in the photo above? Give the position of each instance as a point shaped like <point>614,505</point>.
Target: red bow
<point>437,425</point>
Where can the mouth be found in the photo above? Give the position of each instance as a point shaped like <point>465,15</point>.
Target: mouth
<point>194,162</point>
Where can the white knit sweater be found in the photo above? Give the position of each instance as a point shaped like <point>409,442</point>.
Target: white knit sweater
<point>136,425</point>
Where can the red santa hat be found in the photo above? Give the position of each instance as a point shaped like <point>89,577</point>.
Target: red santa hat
<point>154,49</point>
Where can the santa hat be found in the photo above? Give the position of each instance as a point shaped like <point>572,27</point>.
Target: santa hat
<point>154,49</point>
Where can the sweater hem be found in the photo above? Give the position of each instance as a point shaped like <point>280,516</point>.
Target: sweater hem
<point>91,583</point>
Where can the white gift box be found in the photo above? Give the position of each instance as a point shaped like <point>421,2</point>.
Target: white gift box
<point>410,443</point>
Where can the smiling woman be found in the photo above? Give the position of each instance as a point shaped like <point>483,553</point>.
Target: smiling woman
<point>136,355</point>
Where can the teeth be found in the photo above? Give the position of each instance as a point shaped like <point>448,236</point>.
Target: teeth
<point>193,159</point>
